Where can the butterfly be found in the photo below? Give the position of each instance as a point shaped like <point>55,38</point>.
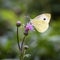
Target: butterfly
<point>41,22</point>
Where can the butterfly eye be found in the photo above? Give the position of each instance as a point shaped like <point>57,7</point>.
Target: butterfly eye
<point>44,19</point>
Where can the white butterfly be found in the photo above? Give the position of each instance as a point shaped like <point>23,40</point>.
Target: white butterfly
<point>41,22</point>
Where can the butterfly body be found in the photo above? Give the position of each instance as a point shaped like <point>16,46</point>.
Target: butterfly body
<point>41,22</point>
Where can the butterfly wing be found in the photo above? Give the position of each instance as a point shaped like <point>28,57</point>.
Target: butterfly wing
<point>40,24</point>
<point>46,16</point>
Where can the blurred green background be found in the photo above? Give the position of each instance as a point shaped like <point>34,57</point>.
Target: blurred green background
<point>42,46</point>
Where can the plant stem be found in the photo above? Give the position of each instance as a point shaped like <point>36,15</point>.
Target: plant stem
<point>22,48</point>
<point>18,39</point>
<point>22,43</point>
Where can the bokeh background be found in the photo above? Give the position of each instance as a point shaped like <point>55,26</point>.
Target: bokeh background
<point>42,46</point>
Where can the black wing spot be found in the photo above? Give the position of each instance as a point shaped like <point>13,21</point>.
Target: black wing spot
<point>44,19</point>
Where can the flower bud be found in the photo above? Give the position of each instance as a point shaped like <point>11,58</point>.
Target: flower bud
<point>26,33</point>
<point>18,24</point>
<point>26,47</point>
